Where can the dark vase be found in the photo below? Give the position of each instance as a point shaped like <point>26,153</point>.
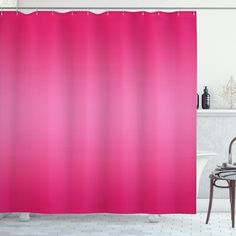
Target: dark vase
<point>205,99</point>
<point>197,101</point>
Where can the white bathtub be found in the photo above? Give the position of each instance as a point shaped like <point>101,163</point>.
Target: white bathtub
<point>202,159</point>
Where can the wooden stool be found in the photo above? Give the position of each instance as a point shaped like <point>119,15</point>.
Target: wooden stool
<point>231,179</point>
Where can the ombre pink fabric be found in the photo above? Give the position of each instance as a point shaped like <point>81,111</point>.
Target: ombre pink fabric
<point>98,112</point>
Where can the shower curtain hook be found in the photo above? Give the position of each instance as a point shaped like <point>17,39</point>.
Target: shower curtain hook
<point>158,12</point>
<point>17,11</point>
<point>143,12</point>
<point>178,12</point>
<point>36,11</point>
<point>107,11</point>
<point>1,11</point>
<point>123,13</point>
<point>87,12</point>
<point>52,12</point>
<point>72,11</point>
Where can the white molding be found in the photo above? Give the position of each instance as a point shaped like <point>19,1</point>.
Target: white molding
<point>126,3</point>
<point>216,113</point>
<point>218,205</point>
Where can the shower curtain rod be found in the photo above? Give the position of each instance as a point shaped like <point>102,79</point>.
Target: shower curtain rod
<point>118,8</point>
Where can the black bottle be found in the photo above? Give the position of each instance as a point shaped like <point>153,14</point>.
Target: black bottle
<point>205,99</point>
<point>197,101</point>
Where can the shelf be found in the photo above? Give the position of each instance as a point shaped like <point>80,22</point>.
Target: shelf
<point>216,112</point>
<point>205,154</point>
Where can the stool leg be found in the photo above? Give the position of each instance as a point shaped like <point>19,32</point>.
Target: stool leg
<point>230,194</point>
<point>210,201</point>
<point>233,201</point>
<point>230,198</point>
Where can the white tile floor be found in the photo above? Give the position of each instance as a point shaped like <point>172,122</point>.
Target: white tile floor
<point>117,225</point>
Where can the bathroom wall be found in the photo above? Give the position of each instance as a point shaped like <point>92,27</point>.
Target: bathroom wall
<point>216,63</point>
<point>8,3</point>
<point>215,134</point>
<point>216,52</point>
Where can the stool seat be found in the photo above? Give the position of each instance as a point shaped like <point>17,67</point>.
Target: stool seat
<point>229,176</point>
<point>224,174</point>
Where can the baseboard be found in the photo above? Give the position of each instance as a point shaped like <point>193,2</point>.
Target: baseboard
<point>218,205</point>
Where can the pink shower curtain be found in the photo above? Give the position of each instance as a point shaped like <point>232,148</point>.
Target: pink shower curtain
<point>98,112</point>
